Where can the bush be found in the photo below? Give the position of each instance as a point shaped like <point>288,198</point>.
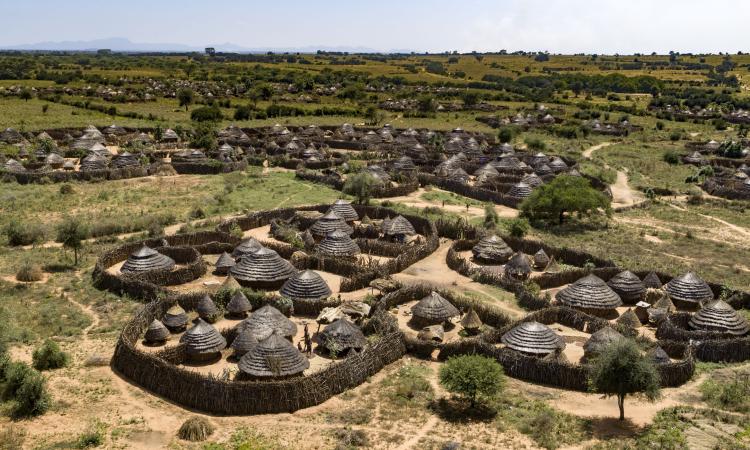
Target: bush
<point>49,356</point>
<point>565,194</point>
<point>66,189</point>
<point>19,233</point>
<point>517,227</point>
<point>206,114</point>
<point>195,429</point>
<point>29,273</point>
<point>472,377</point>
<point>360,186</point>
<point>535,144</point>
<point>506,134</point>
<point>93,437</point>
<point>675,136</point>
<point>671,157</point>
<point>349,438</point>
<point>25,389</point>
<point>731,395</point>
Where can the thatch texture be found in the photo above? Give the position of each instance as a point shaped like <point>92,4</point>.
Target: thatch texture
<point>471,321</point>
<point>338,244</point>
<point>589,293</point>
<point>434,309</point>
<point>518,266</point>
<point>519,190</point>
<point>329,223</point>
<point>224,263</point>
<point>273,357</point>
<point>492,249</point>
<point>718,315</point>
<point>628,286</point>
<point>398,226</point>
<point>534,338</point>
<point>175,319</point>
<point>344,209</point>
<point>146,259</point>
<point>246,247</point>
<point>600,340</point>
<point>203,341</point>
<point>266,320</point>
<point>629,319</point>
<point>156,332</point>
<point>342,335</point>
<point>659,356</point>
<point>238,306</point>
<point>689,288</point>
<point>243,343</point>
<point>306,285</point>
<point>652,281</point>
<point>541,259</point>
<point>264,268</point>
<point>206,309</point>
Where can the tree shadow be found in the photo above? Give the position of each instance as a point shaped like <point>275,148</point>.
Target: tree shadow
<point>459,411</point>
<point>605,428</point>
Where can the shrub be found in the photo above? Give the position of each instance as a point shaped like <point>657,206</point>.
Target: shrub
<point>19,233</point>
<point>29,273</point>
<point>675,136</point>
<point>195,429</point>
<point>93,437</point>
<point>671,157</point>
<point>349,438</point>
<point>66,189</point>
<point>550,202</point>
<point>490,216</point>
<point>506,134</point>
<point>517,227</point>
<point>49,356</point>
<point>360,186</point>
<point>731,395</point>
<point>26,390</point>
<point>472,377</point>
<point>535,144</point>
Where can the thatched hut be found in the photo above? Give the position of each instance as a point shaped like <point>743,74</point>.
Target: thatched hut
<point>175,319</point>
<point>719,315</point>
<point>246,247</point>
<point>11,165</point>
<point>93,162</point>
<point>169,136</point>
<point>518,267</point>
<point>203,342</point>
<point>329,223</point>
<point>273,357</point>
<point>471,322</point>
<point>342,335</point>
<point>306,285</point>
<point>600,341</point>
<point>146,259</point>
<point>628,286</point>
<point>629,319</point>
<point>54,160</point>
<point>404,164</point>
<point>492,250</point>
<point>338,244</point>
<point>519,190</point>
<point>126,159</point>
<point>532,180</point>
<point>206,309</point>
<point>689,290</point>
<point>224,263</point>
<point>238,306</point>
<point>432,310</point>
<point>590,294</point>
<point>343,208</point>
<point>694,158</point>
<point>264,269</point>
<point>652,281</point>
<point>266,320</point>
<point>156,333</point>
<point>243,343</point>
<point>533,338</point>
<point>434,333</point>
<point>541,259</point>
<point>398,228</point>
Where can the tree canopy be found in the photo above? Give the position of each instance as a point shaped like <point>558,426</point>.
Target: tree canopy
<point>473,377</point>
<point>565,194</point>
<point>360,186</point>
<point>622,369</point>
<point>185,97</point>
<point>70,233</point>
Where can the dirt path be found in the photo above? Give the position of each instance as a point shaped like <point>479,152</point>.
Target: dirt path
<point>415,200</point>
<point>622,194</point>
<point>590,151</point>
<point>422,432</point>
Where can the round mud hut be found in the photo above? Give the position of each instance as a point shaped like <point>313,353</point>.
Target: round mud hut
<point>345,210</point>
<point>689,291</point>
<point>203,342</point>
<point>243,343</point>
<point>533,338</point>
<point>338,244</point>
<point>146,259</point>
<point>592,295</point>
<point>518,267</point>
<point>306,285</point>
<point>246,247</point>
<point>175,319</point>
<point>628,286</point>
<point>492,250</point>
<point>156,333</point>
<point>273,357</point>
<point>264,269</point>
<point>238,306</point>
<point>599,341</point>
<point>719,315</point>
<point>224,263</point>
<point>341,336</point>
<point>266,320</point>
<point>432,310</point>
<point>398,228</point>
<point>329,223</point>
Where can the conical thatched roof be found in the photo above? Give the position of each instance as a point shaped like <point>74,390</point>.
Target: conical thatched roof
<point>146,259</point>
<point>273,357</point>
<point>532,180</point>
<point>628,286</point>
<point>329,223</point>
<point>719,315</point>
<point>93,162</point>
<point>156,332</point>
<point>175,317</point>
<point>230,284</point>
<point>519,190</point>
<point>306,285</point>
<point>224,263</point>
<point>541,260</point>
<point>533,337</point>
<point>518,266</point>
<point>203,339</point>
<point>432,333</point>
<point>125,159</point>
<point>487,169</point>
<point>238,305</point>
<point>265,265</point>
<point>338,244</point>
<point>54,160</point>
<point>404,164</point>
<point>665,303</point>
<point>652,281</point>
<point>600,340</point>
<point>659,356</point>
<point>342,335</point>
<point>629,319</point>
<point>12,165</point>
<point>206,308</point>
<point>244,342</point>
<point>245,247</point>
<point>589,292</point>
<point>266,320</point>
<point>398,226</point>
<point>492,249</point>
<point>169,135</point>
<point>689,288</point>
<point>471,320</point>
<point>344,209</point>
<point>434,308</point>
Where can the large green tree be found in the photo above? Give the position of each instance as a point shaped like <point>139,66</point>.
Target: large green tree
<point>549,203</point>
<point>71,233</point>
<point>185,97</point>
<point>472,377</point>
<point>360,186</point>
<point>621,369</point>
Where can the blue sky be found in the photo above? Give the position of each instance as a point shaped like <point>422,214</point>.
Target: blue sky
<point>604,26</point>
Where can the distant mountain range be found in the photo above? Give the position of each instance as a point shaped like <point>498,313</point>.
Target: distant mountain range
<point>126,45</point>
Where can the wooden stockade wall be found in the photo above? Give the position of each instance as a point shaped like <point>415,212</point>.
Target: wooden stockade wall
<point>712,346</point>
<point>208,167</point>
<point>61,176</point>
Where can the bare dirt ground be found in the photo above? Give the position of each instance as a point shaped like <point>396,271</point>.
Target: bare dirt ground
<point>415,200</point>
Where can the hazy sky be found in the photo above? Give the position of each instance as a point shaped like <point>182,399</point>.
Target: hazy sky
<point>604,26</point>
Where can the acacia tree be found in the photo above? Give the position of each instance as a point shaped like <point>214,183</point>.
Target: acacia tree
<point>473,377</point>
<point>70,233</point>
<point>565,194</point>
<point>360,186</point>
<point>185,97</point>
<point>620,370</point>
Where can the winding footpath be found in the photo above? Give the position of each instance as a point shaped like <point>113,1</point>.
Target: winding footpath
<point>622,194</point>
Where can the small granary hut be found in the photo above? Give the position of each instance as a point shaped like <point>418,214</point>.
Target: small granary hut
<point>518,267</point>
<point>169,135</point>
<point>203,342</point>
<point>230,284</point>
<point>641,311</point>
<point>471,322</point>
<point>342,335</point>
<point>125,159</point>
<point>264,269</point>
<point>338,244</point>
<point>243,343</point>
<point>665,303</point>
<point>146,259</point>
<point>629,319</point>
<point>541,260</point>
<point>156,333</point>
<point>206,309</point>
<point>492,250</point>
<point>719,315</point>
<point>224,263</point>
<point>329,223</point>
<point>69,165</point>
<point>175,319</point>
<point>694,158</point>
<point>266,320</point>
<point>432,310</point>
<point>306,285</point>
<point>54,160</point>
<point>344,210</point>
<point>238,306</point>
<point>533,338</point>
<point>659,356</point>
<point>519,190</point>
<point>398,228</point>
<point>93,162</point>
<point>628,286</point>
<point>273,357</point>
<point>599,341</point>
<point>590,294</point>
<point>12,165</point>
<point>689,290</point>
<point>652,281</point>
<point>246,247</point>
